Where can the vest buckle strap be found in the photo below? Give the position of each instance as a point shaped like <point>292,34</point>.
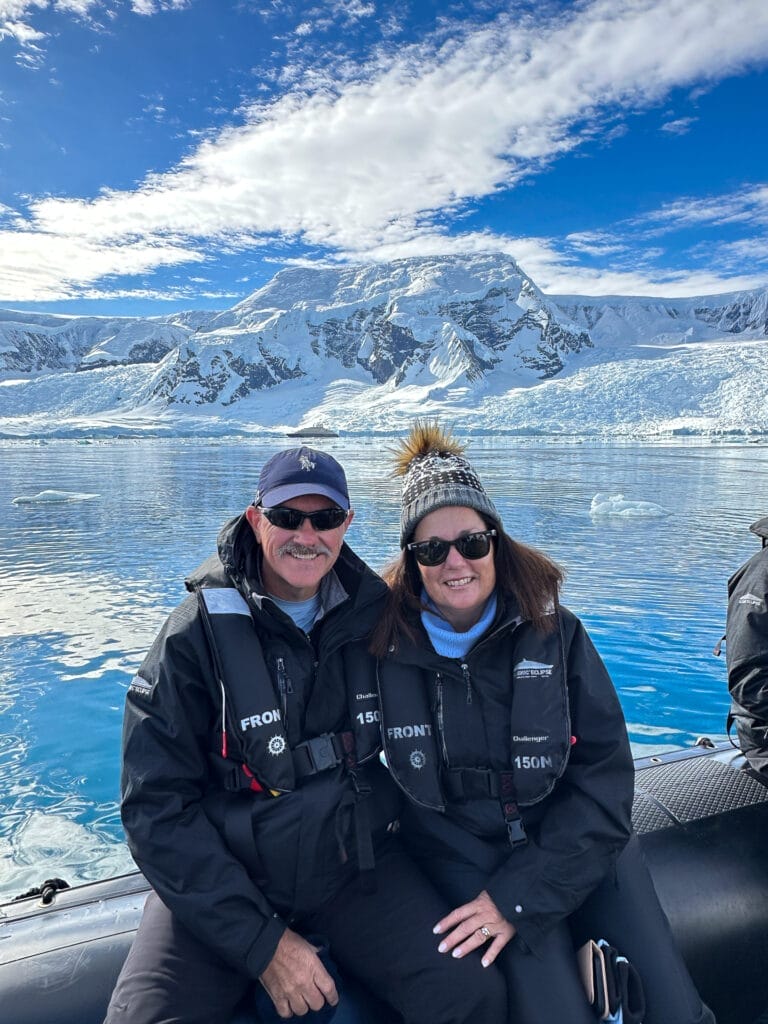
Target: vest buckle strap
<point>318,754</point>
<point>508,795</point>
<point>515,827</point>
<point>516,832</point>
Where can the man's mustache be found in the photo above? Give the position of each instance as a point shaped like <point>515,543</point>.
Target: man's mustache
<point>292,548</point>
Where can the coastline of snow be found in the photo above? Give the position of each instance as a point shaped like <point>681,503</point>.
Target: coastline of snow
<point>697,389</point>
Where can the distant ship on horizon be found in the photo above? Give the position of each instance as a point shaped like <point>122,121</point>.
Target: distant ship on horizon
<point>314,430</point>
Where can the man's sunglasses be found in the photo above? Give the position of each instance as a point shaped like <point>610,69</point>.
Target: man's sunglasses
<point>435,551</point>
<point>292,518</point>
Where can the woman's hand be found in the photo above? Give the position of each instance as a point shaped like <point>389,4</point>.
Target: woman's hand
<point>472,925</point>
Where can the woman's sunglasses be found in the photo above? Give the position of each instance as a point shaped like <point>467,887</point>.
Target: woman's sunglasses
<point>292,518</point>
<point>435,551</point>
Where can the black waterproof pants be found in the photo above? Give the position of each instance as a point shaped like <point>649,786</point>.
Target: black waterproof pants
<point>383,939</point>
<point>544,986</point>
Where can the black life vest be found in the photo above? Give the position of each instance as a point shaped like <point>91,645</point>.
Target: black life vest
<point>254,746</point>
<point>429,718</point>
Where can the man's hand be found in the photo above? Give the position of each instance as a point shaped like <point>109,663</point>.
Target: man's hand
<point>472,925</point>
<point>295,978</point>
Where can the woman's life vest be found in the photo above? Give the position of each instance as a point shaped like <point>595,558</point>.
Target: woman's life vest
<point>433,730</point>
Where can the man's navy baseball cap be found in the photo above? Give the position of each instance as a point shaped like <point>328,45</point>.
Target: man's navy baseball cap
<point>298,471</point>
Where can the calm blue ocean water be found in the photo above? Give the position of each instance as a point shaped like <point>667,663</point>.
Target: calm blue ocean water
<point>85,584</point>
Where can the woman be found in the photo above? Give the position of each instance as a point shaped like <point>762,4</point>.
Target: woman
<point>502,726</point>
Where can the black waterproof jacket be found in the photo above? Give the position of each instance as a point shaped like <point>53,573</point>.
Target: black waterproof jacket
<point>294,852</point>
<point>746,652</point>
<point>485,714</point>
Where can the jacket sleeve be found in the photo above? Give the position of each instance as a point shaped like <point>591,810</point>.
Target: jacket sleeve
<point>746,652</point>
<point>586,821</point>
<point>169,719</point>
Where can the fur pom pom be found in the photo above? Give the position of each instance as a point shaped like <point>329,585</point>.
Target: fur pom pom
<point>427,437</point>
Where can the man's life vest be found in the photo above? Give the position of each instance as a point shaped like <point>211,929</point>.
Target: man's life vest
<point>254,752</point>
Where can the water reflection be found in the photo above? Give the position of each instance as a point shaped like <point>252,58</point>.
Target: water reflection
<point>85,586</point>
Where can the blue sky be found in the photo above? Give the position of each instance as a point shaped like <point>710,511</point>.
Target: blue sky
<point>158,155</point>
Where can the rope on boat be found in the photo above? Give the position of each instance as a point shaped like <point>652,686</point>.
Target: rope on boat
<point>46,891</point>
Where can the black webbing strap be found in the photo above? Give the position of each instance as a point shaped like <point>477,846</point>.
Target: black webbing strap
<point>357,803</point>
<point>327,751</point>
<point>463,784</point>
<point>309,758</point>
<point>510,810</point>
<point>366,860</point>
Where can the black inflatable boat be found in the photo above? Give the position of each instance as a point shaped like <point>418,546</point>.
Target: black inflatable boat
<point>703,821</point>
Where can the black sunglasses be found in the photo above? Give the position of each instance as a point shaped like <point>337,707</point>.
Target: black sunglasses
<point>292,518</point>
<point>435,551</point>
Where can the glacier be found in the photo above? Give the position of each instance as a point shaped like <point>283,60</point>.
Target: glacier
<point>365,348</point>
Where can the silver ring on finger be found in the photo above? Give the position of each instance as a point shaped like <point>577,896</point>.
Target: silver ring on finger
<point>485,931</point>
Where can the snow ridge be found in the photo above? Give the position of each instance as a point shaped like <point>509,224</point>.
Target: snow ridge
<point>366,347</point>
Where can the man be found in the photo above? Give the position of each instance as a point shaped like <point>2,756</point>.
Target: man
<point>253,797</point>
<point>746,650</point>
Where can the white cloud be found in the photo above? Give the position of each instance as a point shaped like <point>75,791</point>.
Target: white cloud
<point>596,243</point>
<point>21,11</point>
<point>28,38</point>
<point>46,268</point>
<point>747,248</point>
<point>179,294</point>
<point>354,10</point>
<point>12,10</point>
<point>747,205</point>
<point>680,126</point>
<point>149,7</point>
<point>673,285</point>
<point>555,272</point>
<point>24,34</point>
<point>732,255</point>
<point>374,162</point>
<point>17,17</point>
<point>80,8</point>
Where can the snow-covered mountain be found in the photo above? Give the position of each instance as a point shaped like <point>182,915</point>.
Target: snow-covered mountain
<point>365,347</point>
<point>33,342</point>
<point>413,320</point>
<point>623,322</point>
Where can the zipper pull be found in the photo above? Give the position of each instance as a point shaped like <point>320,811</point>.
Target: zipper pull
<point>467,681</point>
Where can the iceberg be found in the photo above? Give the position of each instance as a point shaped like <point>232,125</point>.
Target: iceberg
<point>618,505</point>
<point>45,496</point>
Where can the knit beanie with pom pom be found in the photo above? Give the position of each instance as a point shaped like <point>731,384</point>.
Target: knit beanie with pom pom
<point>435,474</point>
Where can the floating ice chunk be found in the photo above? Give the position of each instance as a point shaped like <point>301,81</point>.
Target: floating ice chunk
<point>43,496</point>
<point>618,505</point>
